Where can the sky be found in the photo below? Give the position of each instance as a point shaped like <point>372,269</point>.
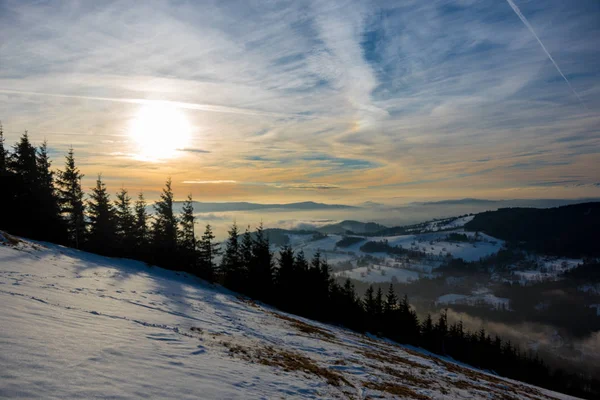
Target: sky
<point>332,101</point>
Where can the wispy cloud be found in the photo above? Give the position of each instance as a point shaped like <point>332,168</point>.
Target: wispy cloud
<point>325,98</point>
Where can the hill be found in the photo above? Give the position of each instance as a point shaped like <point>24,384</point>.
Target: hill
<point>245,206</point>
<point>78,325</point>
<point>570,231</point>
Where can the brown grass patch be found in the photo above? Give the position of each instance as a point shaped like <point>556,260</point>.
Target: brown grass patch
<point>9,240</point>
<point>248,301</point>
<point>406,376</point>
<point>287,360</point>
<point>389,358</point>
<point>291,361</point>
<point>396,390</point>
<point>307,328</point>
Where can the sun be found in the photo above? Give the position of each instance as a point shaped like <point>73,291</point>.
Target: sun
<point>158,130</point>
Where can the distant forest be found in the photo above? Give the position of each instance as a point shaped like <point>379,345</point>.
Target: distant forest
<point>570,231</point>
<point>39,203</point>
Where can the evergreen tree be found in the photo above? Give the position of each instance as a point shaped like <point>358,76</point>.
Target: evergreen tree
<point>102,237</point>
<point>140,228</point>
<point>22,161</point>
<point>286,280</point>
<point>187,236</point>
<point>260,273</point>
<point>246,258</point>
<point>231,264</point>
<point>209,249</point>
<point>125,224</point>
<point>49,226</point>
<point>3,153</point>
<point>71,200</point>
<point>391,302</point>
<point>22,190</point>
<point>369,303</point>
<point>164,229</point>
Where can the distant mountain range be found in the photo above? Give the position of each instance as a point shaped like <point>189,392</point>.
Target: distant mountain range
<point>537,203</point>
<point>245,206</point>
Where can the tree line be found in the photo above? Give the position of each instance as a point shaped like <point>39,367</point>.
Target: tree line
<point>41,204</point>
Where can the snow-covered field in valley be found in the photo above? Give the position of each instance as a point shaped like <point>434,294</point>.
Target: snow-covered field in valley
<point>75,325</point>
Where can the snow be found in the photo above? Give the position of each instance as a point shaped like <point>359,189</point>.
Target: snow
<point>76,325</point>
<point>448,224</point>
<point>380,274</point>
<point>480,296</point>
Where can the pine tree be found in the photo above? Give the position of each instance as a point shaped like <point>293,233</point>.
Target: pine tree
<point>22,161</point>
<point>260,274</point>
<point>102,237</point>
<point>391,301</point>
<point>164,228</point>
<point>369,301</point>
<point>286,280</point>
<point>50,226</point>
<point>140,228</point>
<point>125,224</point>
<point>3,153</point>
<point>231,264</point>
<point>209,249</point>
<point>246,258</point>
<point>71,200</point>
<point>187,235</point>
<point>22,193</point>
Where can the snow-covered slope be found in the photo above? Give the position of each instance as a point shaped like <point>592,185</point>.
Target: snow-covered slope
<point>75,325</point>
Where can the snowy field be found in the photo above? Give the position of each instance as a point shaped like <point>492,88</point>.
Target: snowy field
<point>387,267</point>
<point>80,326</point>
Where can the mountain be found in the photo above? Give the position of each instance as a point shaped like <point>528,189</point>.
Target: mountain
<point>245,206</point>
<point>538,203</point>
<point>570,231</point>
<point>351,226</point>
<point>77,325</point>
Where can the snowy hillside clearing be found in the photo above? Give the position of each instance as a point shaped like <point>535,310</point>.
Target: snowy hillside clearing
<point>76,325</point>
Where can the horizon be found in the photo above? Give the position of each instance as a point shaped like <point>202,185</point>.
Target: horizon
<point>331,102</point>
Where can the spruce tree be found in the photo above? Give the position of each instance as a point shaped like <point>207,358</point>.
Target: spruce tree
<point>164,229</point>
<point>287,280</point>
<point>71,200</point>
<point>22,190</point>
<point>246,258</point>
<point>22,161</point>
<point>125,224</point>
<point>102,236</point>
<point>209,249</point>
<point>391,301</point>
<point>231,265</point>
<point>187,236</point>
<point>3,152</point>
<point>50,226</point>
<point>140,228</point>
<point>260,274</point>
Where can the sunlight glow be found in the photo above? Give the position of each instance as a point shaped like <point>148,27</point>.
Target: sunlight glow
<point>158,131</point>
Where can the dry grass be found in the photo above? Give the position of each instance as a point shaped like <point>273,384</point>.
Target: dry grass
<point>9,240</point>
<point>389,358</point>
<point>307,328</point>
<point>248,301</point>
<point>406,376</point>
<point>287,360</point>
<point>395,389</point>
<point>291,361</point>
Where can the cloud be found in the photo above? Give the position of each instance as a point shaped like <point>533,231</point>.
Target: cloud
<point>189,150</point>
<point>216,182</point>
<point>367,97</point>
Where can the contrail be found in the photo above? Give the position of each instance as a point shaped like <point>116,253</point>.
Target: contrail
<point>189,106</point>
<point>524,20</point>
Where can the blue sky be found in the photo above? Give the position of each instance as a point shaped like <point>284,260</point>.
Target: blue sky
<point>325,100</point>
